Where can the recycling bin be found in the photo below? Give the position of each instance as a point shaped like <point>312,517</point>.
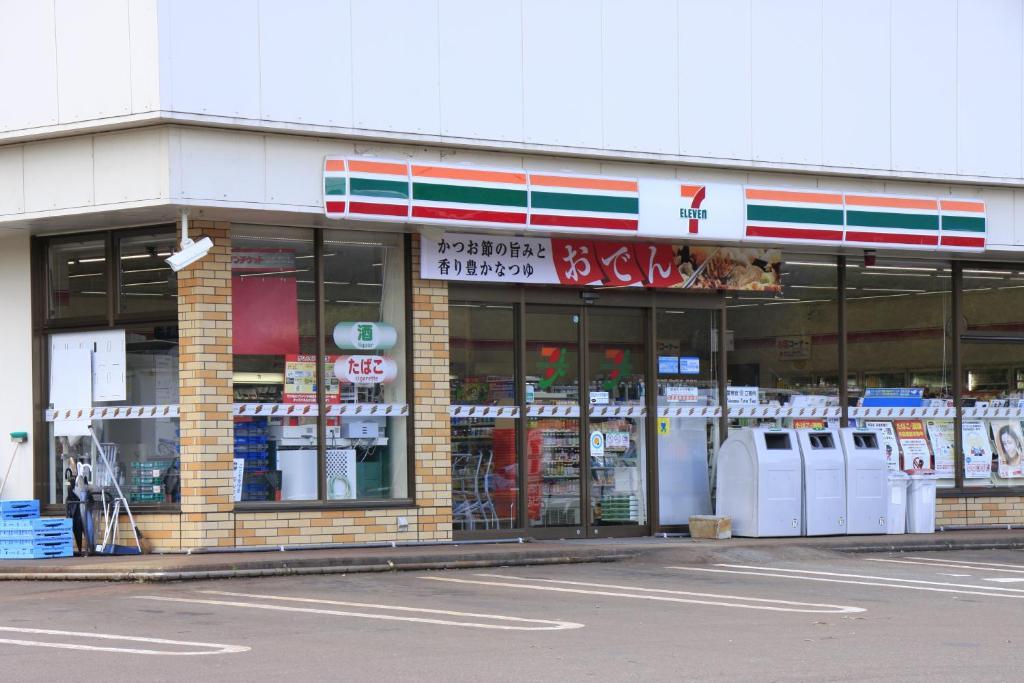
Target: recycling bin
<point>896,503</point>
<point>867,483</point>
<point>824,475</point>
<point>760,482</point>
<point>921,502</point>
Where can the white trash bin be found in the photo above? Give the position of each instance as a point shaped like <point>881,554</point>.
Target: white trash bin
<point>921,502</point>
<point>896,504</point>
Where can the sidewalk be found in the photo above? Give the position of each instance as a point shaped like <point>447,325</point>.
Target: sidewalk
<point>180,567</point>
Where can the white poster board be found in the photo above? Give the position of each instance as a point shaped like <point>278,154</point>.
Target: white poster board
<point>107,364</point>
<point>71,387</point>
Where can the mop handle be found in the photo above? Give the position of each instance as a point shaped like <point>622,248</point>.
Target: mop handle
<point>10,466</point>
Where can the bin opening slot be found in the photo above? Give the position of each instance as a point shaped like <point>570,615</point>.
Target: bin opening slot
<point>865,440</point>
<point>777,442</point>
<point>819,441</point>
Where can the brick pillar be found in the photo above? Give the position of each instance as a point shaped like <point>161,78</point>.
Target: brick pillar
<point>431,392</point>
<point>205,381</point>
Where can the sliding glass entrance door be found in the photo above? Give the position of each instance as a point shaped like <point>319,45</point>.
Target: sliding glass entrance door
<point>616,366</point>
<point>553,445</point>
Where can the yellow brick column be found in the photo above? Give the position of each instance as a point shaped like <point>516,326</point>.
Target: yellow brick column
<point>205,382</point>
<point>431,396</point>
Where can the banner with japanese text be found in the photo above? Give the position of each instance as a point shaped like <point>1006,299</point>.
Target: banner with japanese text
<point>579,262</point>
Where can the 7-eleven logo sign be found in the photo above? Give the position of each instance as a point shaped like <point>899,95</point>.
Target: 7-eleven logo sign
<point>694,196</point>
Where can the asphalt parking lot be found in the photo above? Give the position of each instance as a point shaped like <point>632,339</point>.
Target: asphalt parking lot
<point>744,614</point>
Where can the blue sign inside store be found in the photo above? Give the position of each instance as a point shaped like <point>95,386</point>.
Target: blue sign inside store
<point>689,365</point>
<point>668,365</point>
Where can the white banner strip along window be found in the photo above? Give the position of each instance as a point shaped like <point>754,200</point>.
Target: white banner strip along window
<point>156,412</point>
<point>780,411</point>
<point>240,409</point>
<point>694,411</point>
<point>618,411</point>
<point>112,413</point>
<point>994,412</point>
<point>509,412</point>
<point>904,412</point>
<point>552,411</point>
<point>311,409</point>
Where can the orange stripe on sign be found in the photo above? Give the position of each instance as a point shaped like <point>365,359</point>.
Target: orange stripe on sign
<point>790,196</point>
<point>377,167</point>
<point>468,174</point>
<point>335,165</point>
<point>890,202</point>
<point>689,190</point>
<point>584,183</point>
<point>954,205</point>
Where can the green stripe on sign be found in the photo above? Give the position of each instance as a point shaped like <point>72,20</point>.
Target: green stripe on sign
<point>880,219</point>
<point>790,214</point>
<point>366,187</point>
<point>963,223</point>
<point>334,186</point>
<point>584,202</point>
<point>461,194</point>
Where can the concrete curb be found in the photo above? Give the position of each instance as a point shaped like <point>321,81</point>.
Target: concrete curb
<point>924,546</point>
<point>355,567</point>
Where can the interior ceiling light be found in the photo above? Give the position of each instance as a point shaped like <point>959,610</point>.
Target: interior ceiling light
<point>922,268</point>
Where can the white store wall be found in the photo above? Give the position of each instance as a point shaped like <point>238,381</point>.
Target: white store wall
<point>931,88</point>
<point>16,360</point>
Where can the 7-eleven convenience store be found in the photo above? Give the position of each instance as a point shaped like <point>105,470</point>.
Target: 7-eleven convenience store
<point>434,316</point>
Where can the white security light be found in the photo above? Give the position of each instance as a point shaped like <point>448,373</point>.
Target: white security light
<point>190,251</point>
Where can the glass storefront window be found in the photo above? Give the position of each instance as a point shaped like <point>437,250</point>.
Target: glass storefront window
<point>143,452</point>
<point>274,341</point>
<point>899,346</point>
<point>146,283</point>
<point>95,363</point>
<point>687,378</point>
<point>76,279</point>
<point>783,347</point>
<point>364,330</point>
<point>993,366</point>
<point>277,428</point>
<point>485,463</point>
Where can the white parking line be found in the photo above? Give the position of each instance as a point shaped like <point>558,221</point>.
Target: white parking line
<point>1006,580</point>
<point>770,605</point>
<point>538,624</point>
<point>974,564</point>
<point>211,648</point>
<point>952,564</point>
<point>992,591</point>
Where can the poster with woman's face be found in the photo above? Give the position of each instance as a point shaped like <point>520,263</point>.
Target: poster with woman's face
<point>1009,440</point>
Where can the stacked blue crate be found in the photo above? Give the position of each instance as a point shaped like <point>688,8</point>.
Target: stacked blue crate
<point>26,535</point>
<point>251,444</point>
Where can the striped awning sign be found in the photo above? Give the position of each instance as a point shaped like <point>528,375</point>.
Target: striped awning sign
<point>378,189</point>
<point>565,201</point>
<point>455,193</point>
<point>962,223</point>
<point>335,187</point>
<point>888,220</point>
<point>794,215</point>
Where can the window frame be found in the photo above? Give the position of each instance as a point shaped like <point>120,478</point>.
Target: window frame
<point>321,502</point>
<point>43,326</point>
